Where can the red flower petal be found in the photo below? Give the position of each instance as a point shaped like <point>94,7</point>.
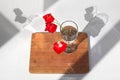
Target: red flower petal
<point>48,18</point>
<point>56,48</point>
<point>59,47</point>
<point>51,27</point>
<point>47,26</point>
<point>64,45</point>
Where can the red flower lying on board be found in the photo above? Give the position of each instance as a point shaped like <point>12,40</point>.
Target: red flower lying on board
<point>59,47</point>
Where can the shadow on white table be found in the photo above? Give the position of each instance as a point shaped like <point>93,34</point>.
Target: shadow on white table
<point>7,30</point>
<point>101,49</point>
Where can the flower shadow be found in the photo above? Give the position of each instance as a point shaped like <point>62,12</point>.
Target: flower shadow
<point>19,16</point>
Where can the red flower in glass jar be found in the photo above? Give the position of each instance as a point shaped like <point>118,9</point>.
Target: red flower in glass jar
<point>59,47</point>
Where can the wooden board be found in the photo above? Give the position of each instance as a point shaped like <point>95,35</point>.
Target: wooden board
<point>43,58</point>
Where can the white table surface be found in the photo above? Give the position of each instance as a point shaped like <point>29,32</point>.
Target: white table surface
<point>104,55</point>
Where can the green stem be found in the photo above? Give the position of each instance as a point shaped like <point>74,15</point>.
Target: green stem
<point>57,22</point>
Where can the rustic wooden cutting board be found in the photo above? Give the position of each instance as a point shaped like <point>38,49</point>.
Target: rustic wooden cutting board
<point>43,58</point>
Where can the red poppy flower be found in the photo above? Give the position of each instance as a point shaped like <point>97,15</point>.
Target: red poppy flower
<point>51,27</point>
<point>59,47</point>
<point>48,18</point>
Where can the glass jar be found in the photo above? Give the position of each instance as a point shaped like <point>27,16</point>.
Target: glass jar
<point>69,33</point>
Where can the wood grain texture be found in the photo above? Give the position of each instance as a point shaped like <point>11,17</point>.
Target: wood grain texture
<point>43,59</point>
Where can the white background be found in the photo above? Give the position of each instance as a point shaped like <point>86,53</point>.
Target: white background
<point>104,53</point>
